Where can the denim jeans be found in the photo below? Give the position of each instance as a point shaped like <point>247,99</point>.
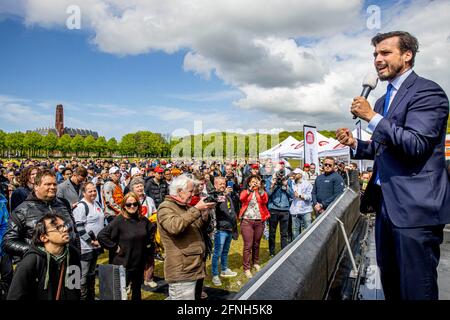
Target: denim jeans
<point>184,290</point>
<point>299,223</point>
<point>222,242</point>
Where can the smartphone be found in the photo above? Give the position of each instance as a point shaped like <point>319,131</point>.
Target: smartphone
<point>230,184</point>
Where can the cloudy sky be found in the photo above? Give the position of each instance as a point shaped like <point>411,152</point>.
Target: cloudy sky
<point>234,65</point>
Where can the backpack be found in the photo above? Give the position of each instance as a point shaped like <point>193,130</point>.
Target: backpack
<point>86,208</point>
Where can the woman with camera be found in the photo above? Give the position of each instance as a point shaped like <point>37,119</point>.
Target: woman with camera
<point>253,215</point>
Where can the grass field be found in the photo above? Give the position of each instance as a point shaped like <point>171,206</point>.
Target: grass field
<point>234,263</point>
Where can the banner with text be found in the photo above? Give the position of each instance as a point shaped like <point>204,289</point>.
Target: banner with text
<point>310,145</point>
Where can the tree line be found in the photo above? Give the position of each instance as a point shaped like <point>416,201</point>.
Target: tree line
<point>138,144</point>
<point>32,144</point>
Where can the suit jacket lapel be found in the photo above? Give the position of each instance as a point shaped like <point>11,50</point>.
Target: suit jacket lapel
<point>379,105</point>
<point>401,93</point>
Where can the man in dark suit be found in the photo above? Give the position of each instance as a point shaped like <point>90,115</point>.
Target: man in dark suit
<point>409,188</point>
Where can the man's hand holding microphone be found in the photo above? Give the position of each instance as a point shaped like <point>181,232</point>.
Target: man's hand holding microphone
<point>360,108</point>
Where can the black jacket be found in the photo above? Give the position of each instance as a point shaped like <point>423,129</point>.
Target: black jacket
<point>135,238</point>
<point>226,215</point>
<point>155,191</point>
<point>30,277</point>
<point>18,196</point>
<point>17,238</point>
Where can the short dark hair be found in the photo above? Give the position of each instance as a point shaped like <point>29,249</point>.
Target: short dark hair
<point>330,158</point>
<point>407,42</point>
<point>41,174</point>
<point>63,172</point>
<point>83,188</point>
<point>256,176</point>
<point>41,229</point>
<point>81,171</point>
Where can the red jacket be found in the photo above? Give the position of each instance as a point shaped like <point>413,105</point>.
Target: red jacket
<point>262,203</point>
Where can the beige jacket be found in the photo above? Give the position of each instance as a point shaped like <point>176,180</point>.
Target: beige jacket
<point>180,228</point>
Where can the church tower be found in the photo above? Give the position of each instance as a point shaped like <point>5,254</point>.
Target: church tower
<point>59,120</point>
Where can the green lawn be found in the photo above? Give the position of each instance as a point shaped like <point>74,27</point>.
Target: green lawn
<point>234,263</point>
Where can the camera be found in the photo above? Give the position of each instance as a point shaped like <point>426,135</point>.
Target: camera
<point>212,197</point>
<point>280,176</point>
<point>92,235</point>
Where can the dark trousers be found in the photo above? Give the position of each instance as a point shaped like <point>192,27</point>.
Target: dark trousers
<point>199,289</point>
<point>135,279</point>
<point>6,275</point>
<point>408,259</point>
<point>88,265</point>
<point>283,218</point>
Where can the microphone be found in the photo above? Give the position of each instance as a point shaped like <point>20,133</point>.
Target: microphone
<point>369,83</point>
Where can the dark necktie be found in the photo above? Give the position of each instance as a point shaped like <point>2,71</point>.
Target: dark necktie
<point>385,111</point>
<point>386,99</point>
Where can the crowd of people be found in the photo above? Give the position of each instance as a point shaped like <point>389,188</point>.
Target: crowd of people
<point>59,216</point>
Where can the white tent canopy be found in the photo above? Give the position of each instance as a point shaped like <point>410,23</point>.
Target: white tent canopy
<point>276,151</point>
<point>293,149</point>
<point>296,151</point>
<point>337,149</point>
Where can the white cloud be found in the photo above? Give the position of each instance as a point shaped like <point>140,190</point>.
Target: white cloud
<point>169,114</point>
<point>198,64</point>
<point>295,61</point>
<point>208,96</point>
<point>17,114</point>
<point>246,42</point>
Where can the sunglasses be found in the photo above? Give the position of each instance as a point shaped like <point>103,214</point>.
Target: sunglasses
<point>132,204</point>
<point>327,165</point>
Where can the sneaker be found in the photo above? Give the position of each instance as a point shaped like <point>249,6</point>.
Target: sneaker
<point>216,281</point>
<point>228,273</point>
<point>151,284</point>
<point>248,274</point>
<point>257,267</point>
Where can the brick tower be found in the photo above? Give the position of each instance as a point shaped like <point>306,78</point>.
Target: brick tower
<point>59,120</point>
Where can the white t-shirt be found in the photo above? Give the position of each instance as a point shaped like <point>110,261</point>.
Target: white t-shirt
<point>148,207</point>
<point>94,221</point>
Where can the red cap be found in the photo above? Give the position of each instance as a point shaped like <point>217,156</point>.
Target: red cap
<point>163,162</point>
<point>281,162</point>
<point>306,165</point>
<point>255,166</point>
<point>159,170</point>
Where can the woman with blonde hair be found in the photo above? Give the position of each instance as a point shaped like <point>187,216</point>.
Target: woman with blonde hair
<point>148,210</point>
<point>129,239</point>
